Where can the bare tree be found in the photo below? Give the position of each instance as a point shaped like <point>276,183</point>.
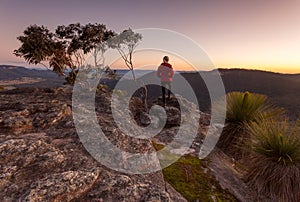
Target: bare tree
<point>125,43</point>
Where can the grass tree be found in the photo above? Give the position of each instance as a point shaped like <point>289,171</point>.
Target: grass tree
<point>274,166</point>
<point>242,109</point>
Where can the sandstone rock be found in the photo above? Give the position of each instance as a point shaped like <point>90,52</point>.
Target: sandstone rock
<point>119,187</point>
<point>223,168</point>
<point>42,158</point>
<point>33,110</point>
<point>62,186</point>
<point>173,116</point>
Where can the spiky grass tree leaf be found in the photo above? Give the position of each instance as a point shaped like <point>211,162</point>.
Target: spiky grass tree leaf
<point>242,109</point>
<point>274,166</point>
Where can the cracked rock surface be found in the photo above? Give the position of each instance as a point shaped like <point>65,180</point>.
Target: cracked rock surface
<point>42,158</point>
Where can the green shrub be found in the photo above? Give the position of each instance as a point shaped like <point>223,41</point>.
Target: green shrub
<point>275,161</point>
<point>242,109</point>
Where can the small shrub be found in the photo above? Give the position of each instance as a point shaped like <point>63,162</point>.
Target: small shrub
<point>275,161</point>
<point>242,109</point>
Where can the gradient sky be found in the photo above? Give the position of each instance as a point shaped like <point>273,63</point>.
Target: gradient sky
<point>256,34</point>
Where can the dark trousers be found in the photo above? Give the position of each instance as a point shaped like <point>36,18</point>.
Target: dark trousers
<point>163,88</point>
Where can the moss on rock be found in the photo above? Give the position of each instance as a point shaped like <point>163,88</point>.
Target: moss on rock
<point>191,177</point>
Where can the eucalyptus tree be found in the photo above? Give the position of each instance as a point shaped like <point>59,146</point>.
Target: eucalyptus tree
<point>64,49</point>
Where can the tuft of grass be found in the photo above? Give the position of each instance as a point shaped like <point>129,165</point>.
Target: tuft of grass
<point>274,169</point>
<point>242,109</point>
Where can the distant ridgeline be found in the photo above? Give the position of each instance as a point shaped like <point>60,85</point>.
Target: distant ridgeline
<point>283,89</point>
<point>18,76</point>
<point>14,72</point>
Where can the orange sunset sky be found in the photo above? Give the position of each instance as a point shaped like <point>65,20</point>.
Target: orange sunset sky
<point>235,34</point>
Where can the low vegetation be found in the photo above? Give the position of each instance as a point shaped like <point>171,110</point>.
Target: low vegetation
<point>258,135</point>
<point>271,161</point>
<point>192,179</point>
<point>275,161</point>
<point>242,109</point>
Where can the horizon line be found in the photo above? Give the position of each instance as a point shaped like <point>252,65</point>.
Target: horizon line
<point>181,70</point>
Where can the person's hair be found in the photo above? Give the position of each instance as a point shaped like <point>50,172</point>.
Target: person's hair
<point>166,58</point>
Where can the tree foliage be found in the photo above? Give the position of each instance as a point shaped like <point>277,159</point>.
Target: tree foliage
<point>125,43</point>
<point>38,44</point>
<point>65,48</point>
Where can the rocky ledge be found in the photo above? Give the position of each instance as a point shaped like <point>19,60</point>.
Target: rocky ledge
<point>42,158</point>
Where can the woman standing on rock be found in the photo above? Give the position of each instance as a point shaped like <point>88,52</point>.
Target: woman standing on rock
<point>165,73</point>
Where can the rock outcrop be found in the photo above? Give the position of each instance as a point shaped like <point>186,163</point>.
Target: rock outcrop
<point>42,158</point>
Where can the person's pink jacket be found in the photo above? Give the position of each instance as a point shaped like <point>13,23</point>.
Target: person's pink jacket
<point>165,72</point>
